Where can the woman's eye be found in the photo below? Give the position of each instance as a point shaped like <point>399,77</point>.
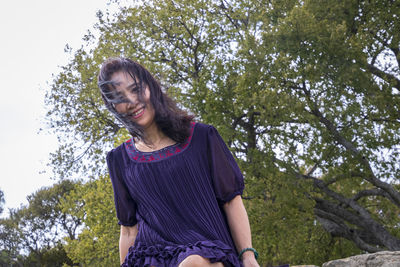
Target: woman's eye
<point>120,101</point>
<point>135,89</point>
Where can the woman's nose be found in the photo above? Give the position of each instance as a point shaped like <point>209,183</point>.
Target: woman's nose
<point>131,104</point>
<point>132,97</point>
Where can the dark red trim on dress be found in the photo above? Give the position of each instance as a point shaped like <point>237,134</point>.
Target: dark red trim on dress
<point>157,155</point>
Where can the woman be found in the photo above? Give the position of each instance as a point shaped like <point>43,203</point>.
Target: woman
<point>177,188</point>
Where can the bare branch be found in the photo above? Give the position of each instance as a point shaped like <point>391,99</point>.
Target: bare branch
<point>337,227</point>
<point>387,77</point>
<point>374,192</point>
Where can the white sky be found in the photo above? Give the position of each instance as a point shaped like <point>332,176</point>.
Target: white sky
<point>33,35</point>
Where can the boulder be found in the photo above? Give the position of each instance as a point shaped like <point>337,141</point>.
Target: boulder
<point>379,259</point>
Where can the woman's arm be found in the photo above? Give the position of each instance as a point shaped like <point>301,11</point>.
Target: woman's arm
<point>240,229</point>
<point>126,240</point>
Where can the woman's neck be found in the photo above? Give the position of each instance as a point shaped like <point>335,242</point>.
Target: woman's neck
<point>155,140</point>
<point>153,135</point>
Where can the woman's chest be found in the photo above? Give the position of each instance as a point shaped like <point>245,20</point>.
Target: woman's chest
<point>167,178</point>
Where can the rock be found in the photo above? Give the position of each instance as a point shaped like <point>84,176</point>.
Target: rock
<point>304,266</point>
<point>379,259</point>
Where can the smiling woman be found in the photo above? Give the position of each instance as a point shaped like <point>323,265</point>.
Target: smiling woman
<point>127,102</point>
<point>177,187</point>
<point>126,87</point>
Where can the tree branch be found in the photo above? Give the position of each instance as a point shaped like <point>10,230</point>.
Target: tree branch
<point>387,77</point>
<point>338,227</point>
<point>349,146</point>
<point>374,192</point>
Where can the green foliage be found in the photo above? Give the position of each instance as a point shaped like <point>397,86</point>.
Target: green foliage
<point>48,257</point>
<point>306,94</point>
<point>286,231</point>
<point>10,241</point>
<point>97,243</point>
<point>332,55</point>
<point>284,227</point>
<point>31,235</point>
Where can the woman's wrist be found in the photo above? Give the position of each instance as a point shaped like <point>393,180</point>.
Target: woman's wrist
<point>248,253</point>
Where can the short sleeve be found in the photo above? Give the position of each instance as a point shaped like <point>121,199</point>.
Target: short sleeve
<point>125,206</point>
<point>226,175</point>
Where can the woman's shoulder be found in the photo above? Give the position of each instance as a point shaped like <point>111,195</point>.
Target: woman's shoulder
<point>117,154</point>
<point>206,130</point>
<point>203,127</point>
<point>116,150</point>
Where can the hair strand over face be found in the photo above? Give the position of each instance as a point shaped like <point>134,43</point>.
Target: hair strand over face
<point>171,120</point>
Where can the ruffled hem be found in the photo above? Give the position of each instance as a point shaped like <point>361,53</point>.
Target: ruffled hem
<point>158,255</point>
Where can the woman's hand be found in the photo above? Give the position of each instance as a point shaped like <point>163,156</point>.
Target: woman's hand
<point>249,259</point>
<point>250,262</point>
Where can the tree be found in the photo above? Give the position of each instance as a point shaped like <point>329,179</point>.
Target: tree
<point>46,204</point>
<point>97,243</point>
<point>9,242</point>
<point>304,92</point>
<point>32,234</point>
<point>42,223</point>
<point>341,66</point>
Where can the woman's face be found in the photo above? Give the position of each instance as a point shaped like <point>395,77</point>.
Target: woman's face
<point>141,113</point>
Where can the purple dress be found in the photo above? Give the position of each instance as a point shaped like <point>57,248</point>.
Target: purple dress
<point>175,195</point>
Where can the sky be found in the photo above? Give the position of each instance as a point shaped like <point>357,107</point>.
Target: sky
<point>33,37</point>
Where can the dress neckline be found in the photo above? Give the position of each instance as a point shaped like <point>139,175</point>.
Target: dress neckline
<point>160,154</point>
<point>155,151</point>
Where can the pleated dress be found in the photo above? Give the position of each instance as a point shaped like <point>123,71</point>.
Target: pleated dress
<point>176,197</point>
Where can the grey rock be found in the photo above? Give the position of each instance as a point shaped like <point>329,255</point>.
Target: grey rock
<point>379,259</point>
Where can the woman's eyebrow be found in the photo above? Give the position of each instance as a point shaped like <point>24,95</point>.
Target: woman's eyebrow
<point>133,85</point>
<point>115,82</point>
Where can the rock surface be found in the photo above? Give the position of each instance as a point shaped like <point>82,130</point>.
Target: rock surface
<point>379,259</point>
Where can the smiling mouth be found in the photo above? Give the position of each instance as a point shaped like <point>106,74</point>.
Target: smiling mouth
<point>138,113</point>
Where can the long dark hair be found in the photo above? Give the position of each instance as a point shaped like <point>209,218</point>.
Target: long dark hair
<point>171,120</point>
